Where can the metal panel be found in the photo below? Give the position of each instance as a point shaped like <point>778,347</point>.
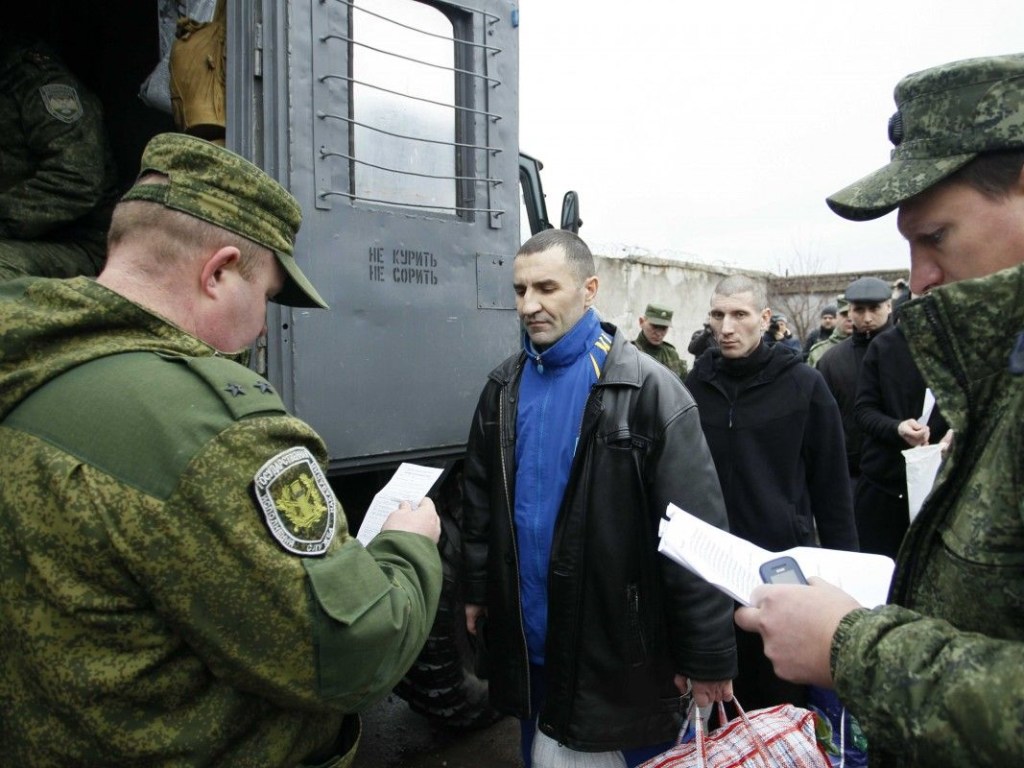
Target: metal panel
<point>394,368</point>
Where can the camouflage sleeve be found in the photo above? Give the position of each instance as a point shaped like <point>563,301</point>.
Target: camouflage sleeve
<point>62,124</point>
<point>245,563</point>
<point>921,688</point>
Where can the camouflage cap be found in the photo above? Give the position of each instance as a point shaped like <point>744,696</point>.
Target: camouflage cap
<point>658,315</point>
<point>216,185</point>
<point>945,117</point>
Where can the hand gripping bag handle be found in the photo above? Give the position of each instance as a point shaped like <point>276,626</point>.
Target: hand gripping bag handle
<point>755,737</point>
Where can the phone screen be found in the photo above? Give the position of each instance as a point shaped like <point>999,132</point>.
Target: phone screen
<point>785,576</point>
<point>783,570</point>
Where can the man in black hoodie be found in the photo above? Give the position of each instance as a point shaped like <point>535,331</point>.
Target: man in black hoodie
<point>870,311</point>
<point>776,437</point>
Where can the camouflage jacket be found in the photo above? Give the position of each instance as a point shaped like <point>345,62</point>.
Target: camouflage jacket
<point>937,677</point>
<point>819,348</point>
<point>664,353</point>
<point>57,176</point>
<point>178,586</point>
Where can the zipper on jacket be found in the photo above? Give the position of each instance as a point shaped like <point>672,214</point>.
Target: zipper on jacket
<point>637,644</point>
<point>576,472</point>
<point>503,417</point>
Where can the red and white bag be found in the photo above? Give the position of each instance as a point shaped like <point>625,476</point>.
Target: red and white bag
<point>775,737</point>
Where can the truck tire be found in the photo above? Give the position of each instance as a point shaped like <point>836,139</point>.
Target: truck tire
<point>442,684</point>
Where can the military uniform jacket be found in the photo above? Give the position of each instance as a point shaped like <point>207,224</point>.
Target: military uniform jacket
<point>622,619</point>
<point>939,676</point>
<point>664,353</point>
<point>819,348</point>
<point>177,582</point>
<point>57,176</point>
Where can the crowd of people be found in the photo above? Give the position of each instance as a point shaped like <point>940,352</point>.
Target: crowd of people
<point>178,583</point>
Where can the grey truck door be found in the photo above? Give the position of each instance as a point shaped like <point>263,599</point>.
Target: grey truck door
<point>394,122</point>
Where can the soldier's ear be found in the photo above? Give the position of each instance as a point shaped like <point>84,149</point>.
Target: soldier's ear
<point>216,268</point>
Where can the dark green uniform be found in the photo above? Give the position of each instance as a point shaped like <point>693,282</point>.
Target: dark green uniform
<point>57,177</point>
<point>939,675</point>
<point>178,585</point>
<point>664,353</point>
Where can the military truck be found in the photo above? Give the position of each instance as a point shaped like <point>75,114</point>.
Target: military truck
<point>395,124</point>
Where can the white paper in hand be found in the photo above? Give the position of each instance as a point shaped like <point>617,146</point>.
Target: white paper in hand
<point>733,564</point>
<point>409,483</point>
<point>929,406</point>
<point>923,464</point>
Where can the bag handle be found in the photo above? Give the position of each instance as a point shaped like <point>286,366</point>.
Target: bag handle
<point>694,715</point>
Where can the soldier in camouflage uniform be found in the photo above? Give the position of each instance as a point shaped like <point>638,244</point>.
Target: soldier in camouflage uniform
<point>654,324</point>
<point>936,678</point>
<point>57,177</point>
<point>842,331</point>
<point>178,584</point>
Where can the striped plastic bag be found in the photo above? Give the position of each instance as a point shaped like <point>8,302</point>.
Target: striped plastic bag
<point>783,735</point>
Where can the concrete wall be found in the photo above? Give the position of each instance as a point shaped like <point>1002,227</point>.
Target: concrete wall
<point>627,284</point>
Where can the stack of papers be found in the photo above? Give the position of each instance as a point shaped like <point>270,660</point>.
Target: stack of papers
<point>734,565</point>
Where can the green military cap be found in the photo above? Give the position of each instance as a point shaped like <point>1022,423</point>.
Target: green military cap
<point>945,117</point>
<point>216,185</point>
<point>842,304</point>
<point>658,315</point>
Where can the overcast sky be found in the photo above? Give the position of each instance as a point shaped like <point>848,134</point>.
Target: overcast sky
<point>712,132</point>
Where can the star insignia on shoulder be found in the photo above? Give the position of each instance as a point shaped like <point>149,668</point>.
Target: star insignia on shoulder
<point>264,387</point>
<point>234,389</point>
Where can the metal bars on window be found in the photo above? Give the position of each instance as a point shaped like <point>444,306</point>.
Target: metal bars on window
<point>401,97</point>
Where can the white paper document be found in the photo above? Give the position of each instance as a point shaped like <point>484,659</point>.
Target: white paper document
<point>927,408</point>
<point>409,483</point>
<point>923,463</point>
<point>733,564</point>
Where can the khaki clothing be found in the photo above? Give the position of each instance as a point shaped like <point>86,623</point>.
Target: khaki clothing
<point>178,585</point>
<point>664,353</point>
<point>819,348</point>
<point>938,677</point>
<point>57,176</point>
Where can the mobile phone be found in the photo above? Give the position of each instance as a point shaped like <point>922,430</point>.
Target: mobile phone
<point>782,570</point>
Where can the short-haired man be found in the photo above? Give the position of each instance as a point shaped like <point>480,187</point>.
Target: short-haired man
<point>654,325</point>
<point>777,440</point>
<point>937,677</point>
<point>178,585</point>
<point>578,445</point>
<point>870,309</point>
<point>827,325</point>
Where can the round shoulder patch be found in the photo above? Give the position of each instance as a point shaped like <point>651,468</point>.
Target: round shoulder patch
<point>297,502</point>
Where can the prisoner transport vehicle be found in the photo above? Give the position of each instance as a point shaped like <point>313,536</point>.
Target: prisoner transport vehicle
<point>395,124</point>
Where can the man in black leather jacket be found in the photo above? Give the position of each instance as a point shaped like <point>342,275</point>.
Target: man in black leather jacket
<point>623,629</point>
